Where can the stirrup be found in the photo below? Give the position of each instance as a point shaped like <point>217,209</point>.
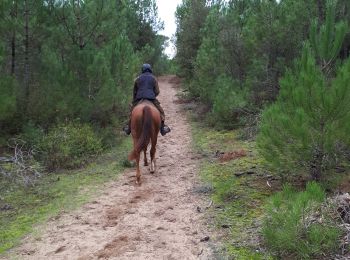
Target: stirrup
<point>164,130</point>
<point>127,129</point>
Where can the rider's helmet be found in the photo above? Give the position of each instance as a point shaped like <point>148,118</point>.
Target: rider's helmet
<point>146,68</point>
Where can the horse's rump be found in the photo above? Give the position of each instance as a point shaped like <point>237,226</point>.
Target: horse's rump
<point>144,122</point>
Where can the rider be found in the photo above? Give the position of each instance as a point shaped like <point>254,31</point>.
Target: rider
<point>146,87</point>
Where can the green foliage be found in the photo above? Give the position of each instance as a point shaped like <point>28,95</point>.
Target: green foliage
<point>207,64</point>
<point>307,126</point>
<point>32,135</point>
<point>214,84</point>
<point>305,130</point>
<point>292,227</point>
<point>250,42</point>
<point>111,80</point>
<point>8,89</point>
<point>69,146</point>
<point>56,68</point>
<point>226,101</point>
<point>328,41</point>
<point>165,66</point>
<point>190,17</point>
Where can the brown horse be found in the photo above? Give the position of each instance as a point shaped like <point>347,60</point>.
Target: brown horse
<point>145,124</point>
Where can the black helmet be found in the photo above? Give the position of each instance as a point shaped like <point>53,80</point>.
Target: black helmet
<point>146,68</point>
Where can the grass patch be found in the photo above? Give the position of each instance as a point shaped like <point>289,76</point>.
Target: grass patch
<point>239,190</point>
<point>22,208</point>
<point>242,190</point>
<point>297,225</point>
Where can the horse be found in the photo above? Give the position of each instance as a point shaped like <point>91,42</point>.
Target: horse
<point>145,125</point>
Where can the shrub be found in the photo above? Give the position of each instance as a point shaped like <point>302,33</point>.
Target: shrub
<point>297,225</point>
<point>69,146</point>
<point>32,135</point>
<point>308,126</point>
<point>227,102</point>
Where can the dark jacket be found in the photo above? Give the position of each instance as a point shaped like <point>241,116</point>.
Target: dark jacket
<point>146,87</point>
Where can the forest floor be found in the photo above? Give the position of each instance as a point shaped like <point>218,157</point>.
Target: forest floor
<point>161,219</point>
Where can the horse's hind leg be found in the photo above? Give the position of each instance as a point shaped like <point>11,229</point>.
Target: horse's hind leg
<point>153,153</point>
<point>138,173</point>
<point>145,157</point>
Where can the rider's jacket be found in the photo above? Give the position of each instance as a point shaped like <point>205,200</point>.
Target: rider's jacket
<point>146,87</point>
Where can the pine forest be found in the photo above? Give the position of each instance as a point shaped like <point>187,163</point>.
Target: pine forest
<point>255,165</point>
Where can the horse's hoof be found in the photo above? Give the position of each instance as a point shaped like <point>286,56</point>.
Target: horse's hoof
<point>152,169</point>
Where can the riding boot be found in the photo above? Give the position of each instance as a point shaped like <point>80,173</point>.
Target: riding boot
<point>127,128</point>
<point>164,129</point>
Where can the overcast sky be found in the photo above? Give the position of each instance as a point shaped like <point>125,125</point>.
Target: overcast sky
<point>166,12</point>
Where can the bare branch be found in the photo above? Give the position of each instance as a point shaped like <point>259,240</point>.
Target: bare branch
<point>20,168</point>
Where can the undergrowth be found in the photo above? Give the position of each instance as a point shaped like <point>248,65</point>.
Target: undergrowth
<point>297,225</point>
<point>22,208</point>
<point>238,190</point>
<point>68,146</point>
<point>242,190</point>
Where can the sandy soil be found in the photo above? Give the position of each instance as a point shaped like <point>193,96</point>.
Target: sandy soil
<point>157,220</point>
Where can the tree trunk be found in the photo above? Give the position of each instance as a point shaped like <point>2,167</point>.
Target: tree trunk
<point>26,52</point>
<point>13,39</point>
<point>13,53</point>
<point>316,166</point>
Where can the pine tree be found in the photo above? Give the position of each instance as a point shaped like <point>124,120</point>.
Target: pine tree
<point>328,41</point>
<point>208,63</point>
<point>67,60</point>
<point>213,81</point>
<point>190,17</point>
<point>307,128</point>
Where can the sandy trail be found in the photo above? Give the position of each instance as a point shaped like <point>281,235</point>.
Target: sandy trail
<point>158,220</point>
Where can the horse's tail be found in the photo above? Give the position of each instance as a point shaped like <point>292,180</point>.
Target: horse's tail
<point>145,137</point>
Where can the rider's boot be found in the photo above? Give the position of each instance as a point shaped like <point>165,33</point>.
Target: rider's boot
<point>164,129</point>
<point>127,128</point>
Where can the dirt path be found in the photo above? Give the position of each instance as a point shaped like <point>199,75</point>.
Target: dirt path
<point>158,220</point>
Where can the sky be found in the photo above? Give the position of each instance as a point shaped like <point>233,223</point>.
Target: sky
<point>166,12</point>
